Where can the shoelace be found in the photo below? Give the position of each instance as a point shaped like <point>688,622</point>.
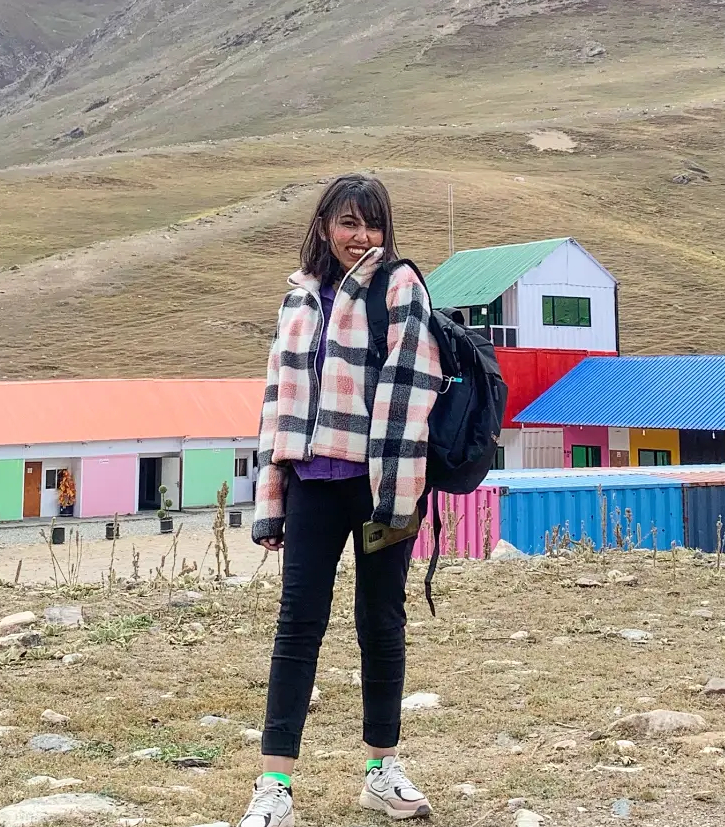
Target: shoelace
<point>265,799</point>
<point>395,776</point>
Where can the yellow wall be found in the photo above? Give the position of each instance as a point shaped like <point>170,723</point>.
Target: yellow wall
<point>656,439</point>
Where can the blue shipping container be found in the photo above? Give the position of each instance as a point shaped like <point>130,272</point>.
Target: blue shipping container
<point>530,507</point>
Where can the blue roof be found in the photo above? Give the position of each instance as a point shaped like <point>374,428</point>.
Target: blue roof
<point>679,392</point>
<point>561,479</point>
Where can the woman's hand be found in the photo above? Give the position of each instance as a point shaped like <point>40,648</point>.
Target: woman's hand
<point>272,543</point>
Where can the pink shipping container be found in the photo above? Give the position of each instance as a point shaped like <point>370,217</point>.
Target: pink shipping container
<point>470,512</point>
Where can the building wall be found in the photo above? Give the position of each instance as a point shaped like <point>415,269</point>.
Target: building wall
<point>513,444</point>
<point>109,486</point>
<point>543,447</point>
<point>203,471</point>
<point>586,435</point>
<point>655,439</point>
<point>11,489</point>
<point>568,271</point>
<point>702,447</point>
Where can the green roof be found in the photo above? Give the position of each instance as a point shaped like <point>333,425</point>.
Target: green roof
<point>477,277</point>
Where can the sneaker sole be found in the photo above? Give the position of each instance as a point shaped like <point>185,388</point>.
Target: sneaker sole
<point>371,802</point>
<point>287,821</point>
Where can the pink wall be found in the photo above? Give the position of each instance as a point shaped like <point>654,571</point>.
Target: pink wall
<point>109,486</point>
<point>471,509</point>
<point>586,435</point>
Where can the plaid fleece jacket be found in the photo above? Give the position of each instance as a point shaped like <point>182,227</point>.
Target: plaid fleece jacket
<point>357,411</point>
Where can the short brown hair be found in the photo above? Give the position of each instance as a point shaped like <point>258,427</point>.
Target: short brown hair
<point>365,193</point>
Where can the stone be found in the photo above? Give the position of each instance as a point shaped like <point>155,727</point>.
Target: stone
<point>214,720</point>
<point>588,583</point>
<point>614,574</point>
<point>520,635</point>
<point>682,179</point>
<point>528,818</point>
<point>190,761</point>
<point>515,804</point>
<point>55,718</point>
<point>356,678</point>
<point>626,747</point>
<point>466,790</point>
<point>595,50</point>
<point>561,746</point>
<point>8,730</point>
<point>628,580</point>
<point>506,741</point>
<point>715,686</point>
<point>645,700</point>
<point>57,808</point>
<point>708,796</point>
<point>504,552</point>
<point>183,600</point>
<point>705,739</point>
<point>712,751</point>
<point>53,743</point>
<point>16,621</point>
<point>517,750</point>
<point>316,696</point>
<point>52,783</point>
<point>562,640</point>
<point>197,628</point>
<point>704,614</point>
<point>76,133</point>
<point>253,736</point>
<point>622,808</point>
<point>140,755</point>
<point>70,616</point>
<point>422,700</point>
<point>21,640</point>
<point>635,635</point>
<point>625,770</point>
<point>72,659</point>
<point>659,722</point>
<point>236,580</point>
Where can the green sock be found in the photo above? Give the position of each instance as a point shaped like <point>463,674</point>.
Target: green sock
<point>279,776</point>
<point>374,764</point>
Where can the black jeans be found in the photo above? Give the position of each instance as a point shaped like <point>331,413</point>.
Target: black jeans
<point>320,515</point>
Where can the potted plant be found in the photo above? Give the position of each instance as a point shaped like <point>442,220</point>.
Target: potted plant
<point>66,493</point>
<point>166,522</point>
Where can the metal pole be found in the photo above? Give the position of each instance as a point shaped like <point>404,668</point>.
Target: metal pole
<point>451,244</point>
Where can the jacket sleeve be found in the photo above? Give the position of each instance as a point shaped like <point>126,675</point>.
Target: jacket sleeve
<point>407,388</point>
<point>272,478</point>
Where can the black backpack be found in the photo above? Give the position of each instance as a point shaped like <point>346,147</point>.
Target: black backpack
<point>465,422</point>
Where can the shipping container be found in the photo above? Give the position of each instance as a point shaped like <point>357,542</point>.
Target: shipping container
<point>704,508</point>
<point>475,519</point>
<point>529,508</point>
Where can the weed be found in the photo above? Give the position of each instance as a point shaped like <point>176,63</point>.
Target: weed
<point>120,631</point>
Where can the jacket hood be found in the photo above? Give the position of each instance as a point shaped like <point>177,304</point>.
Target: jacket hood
<point>362,272</point>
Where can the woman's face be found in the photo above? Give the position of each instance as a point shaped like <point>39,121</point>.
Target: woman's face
<point>350,238</point>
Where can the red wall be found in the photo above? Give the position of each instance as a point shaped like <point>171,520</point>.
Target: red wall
<point>529,372</point>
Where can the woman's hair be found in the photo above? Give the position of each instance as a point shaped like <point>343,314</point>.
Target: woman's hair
<point>367,196</point>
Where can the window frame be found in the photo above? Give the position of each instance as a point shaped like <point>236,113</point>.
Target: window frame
<point>499,459</point>
<point>549,311</point>
<point>657,453</point>
<point>237,461</point>
<point>592,452</point>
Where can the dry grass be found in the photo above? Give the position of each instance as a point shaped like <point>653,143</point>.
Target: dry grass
<point>115,698</point>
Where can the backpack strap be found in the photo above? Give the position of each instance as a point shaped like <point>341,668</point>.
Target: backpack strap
<point>437,527</point>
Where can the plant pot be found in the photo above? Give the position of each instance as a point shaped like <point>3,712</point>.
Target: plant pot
<point>66,511</point>
<point>57,536</point>
<point>166,525</point>
<point>109,531</point>
<point>235,519</point>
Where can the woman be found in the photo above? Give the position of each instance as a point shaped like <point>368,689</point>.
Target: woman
<point>343,441</point>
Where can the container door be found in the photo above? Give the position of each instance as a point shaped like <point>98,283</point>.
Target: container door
<point>704,506</point>
<point>32,489</point>
<point>619,459</point>
<point>171,478</point>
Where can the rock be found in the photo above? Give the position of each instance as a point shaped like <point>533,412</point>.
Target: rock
<point>517,750</point>
<point>705,739</point>
<point>698,169</point>
<point>77,133</point>
<point>422,700</point>
<point>466,790</point>
<point>356,678</point>
<point>622,808</point>
<point>626,747</point>
<point>7,730</point>
<point>72,659</point>
<point>614,574</point>
<point>197,628</point>
<point>253,736</point>
<point>188,761</point>
<point>140,755</point>
<point>645,700</point>
<point>627,580</point>
<point>55,718</point>
<point>316,696</point>
<point>504,552</point>
<point>520,635</point>
<point>236,580</point>
<point>715,686</point>
<point>214,720</point>
<point>705,614</point>
<point>528,818</point>
<point>52,783</point>
<point>561,746</point>
<point>595,50</point>
<point>53,743</point>
<point>71,616</point>
<point>506,741</point>
<point>562,640</point>
<point>57,808</point>
<point>21,640</point>
<point>283,197</point>
<point>712,751</point>
<point>515,804</point>
<point>183,600</point>
<point>635,635</point>
<point>684,178</point>
<point>586,582</point>
<point>709,796</point>
<point>97,104</point>
<point>658,722</point>
<point>625,770</point>
<point>16,621</point>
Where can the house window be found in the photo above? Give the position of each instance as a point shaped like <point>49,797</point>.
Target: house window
<point>240,466</point>
<point>499,459</point>
<point>586,456</point>
<point>491,314</point>
<point>53,476</point>
<point>567,311</point>
<point>649,457</point>
<point>479,317</point>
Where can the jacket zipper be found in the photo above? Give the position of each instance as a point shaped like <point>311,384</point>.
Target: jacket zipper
<point>355,267</point>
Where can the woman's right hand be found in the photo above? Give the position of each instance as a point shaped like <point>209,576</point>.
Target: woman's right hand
<point>272,543</point>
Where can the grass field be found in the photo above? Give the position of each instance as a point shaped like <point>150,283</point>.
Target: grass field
<point>149,675</point>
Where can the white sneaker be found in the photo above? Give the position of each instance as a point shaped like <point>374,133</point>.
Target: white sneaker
<point>271,805</point>
<point>389,791</point>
